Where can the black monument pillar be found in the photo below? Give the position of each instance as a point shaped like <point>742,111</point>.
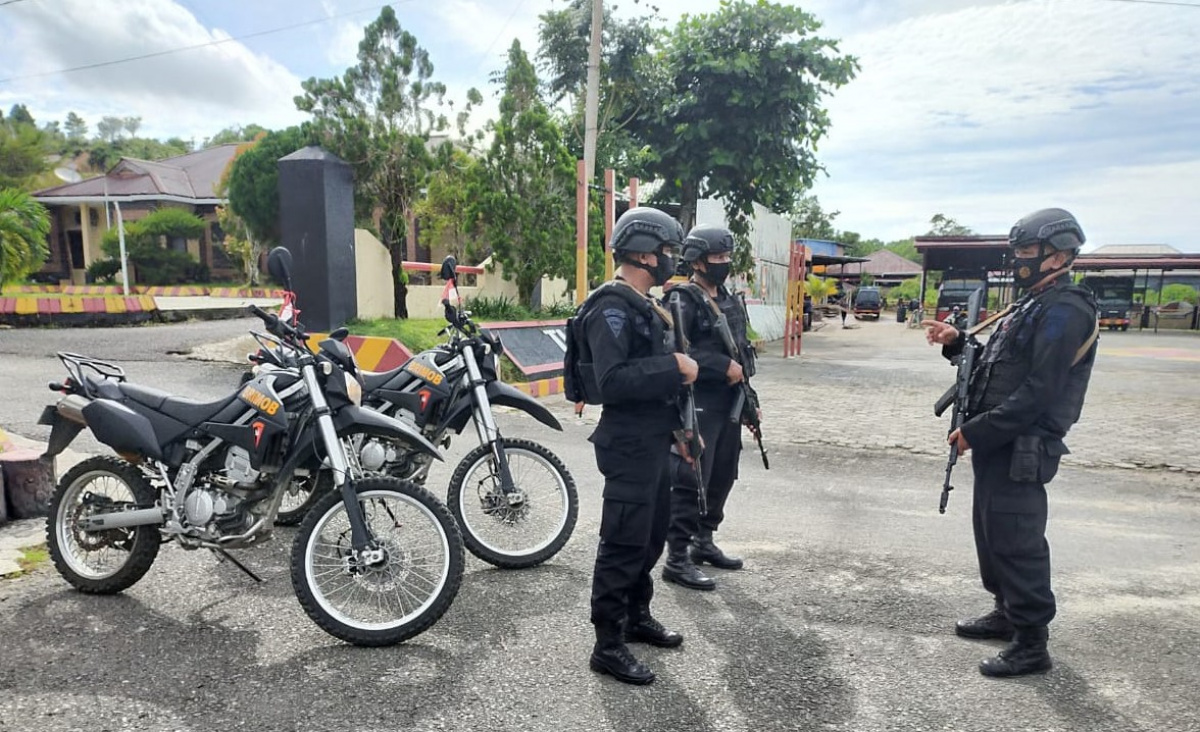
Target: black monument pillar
<point>316,211</point>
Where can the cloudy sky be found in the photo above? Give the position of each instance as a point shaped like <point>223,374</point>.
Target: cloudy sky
<point>979,110</point>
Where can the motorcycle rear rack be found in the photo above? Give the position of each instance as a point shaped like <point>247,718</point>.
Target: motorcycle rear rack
<point>76,364</point>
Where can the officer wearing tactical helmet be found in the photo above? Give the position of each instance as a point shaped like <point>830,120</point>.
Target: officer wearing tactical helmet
<point>628,364</point>
<point>1026,391</point>
<point>707,251</point>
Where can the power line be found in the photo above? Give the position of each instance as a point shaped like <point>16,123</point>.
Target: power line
<point>181,49</point>
<point>10,2</point>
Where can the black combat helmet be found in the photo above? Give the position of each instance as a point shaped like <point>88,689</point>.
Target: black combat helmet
<point>706,239</point>
<point>1053,226</point>
<point>645,229</point>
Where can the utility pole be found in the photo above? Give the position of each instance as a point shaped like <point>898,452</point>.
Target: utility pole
<point>592,101</point>
<point>587,167</point>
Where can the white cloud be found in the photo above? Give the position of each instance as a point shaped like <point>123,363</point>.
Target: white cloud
<point>192,92</point>
<point>986,112</point>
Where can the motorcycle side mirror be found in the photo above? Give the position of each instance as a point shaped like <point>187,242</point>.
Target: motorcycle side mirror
<point>340,334</point>
<point>449,268</point>
<point>279,265</point>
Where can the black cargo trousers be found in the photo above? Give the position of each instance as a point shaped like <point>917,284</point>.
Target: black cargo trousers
<point>633,523</point>
<point>719,465</point>
<point>1009,517</point>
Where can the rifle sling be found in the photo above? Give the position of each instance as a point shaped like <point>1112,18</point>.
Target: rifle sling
<point>1087,344</point>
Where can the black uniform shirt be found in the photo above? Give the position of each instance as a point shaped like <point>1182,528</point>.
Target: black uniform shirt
<point>639,379</point>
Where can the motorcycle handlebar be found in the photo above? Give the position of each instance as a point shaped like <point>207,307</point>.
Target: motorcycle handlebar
<point>277,326</point>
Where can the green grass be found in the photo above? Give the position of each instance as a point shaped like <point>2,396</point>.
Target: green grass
<point>416,334</point>
<point>31,558</point>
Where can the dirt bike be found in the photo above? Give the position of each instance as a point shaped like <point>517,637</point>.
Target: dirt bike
<point>514,499</point>
<point>375,562</point>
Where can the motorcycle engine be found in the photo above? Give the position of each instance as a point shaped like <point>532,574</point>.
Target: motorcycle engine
<point>238,467</point>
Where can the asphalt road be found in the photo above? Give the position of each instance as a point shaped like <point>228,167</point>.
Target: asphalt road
<point>841,621</point>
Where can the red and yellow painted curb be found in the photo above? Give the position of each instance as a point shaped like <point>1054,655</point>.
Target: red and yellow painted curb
<point>243,292</point>
<point>372,352</point>
<point>541,387</point>
<point>33,305</point>
<point>177,291</point>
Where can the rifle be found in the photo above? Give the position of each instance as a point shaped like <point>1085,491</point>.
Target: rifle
<point>745,404</point>
<point>690,439</point>
<point>959,394</point>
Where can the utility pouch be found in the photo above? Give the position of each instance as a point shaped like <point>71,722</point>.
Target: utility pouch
<point>1026,459</point>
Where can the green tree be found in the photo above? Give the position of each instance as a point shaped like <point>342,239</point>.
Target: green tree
<point>526,197</point>
<point>378,117</point>
<point>942,225</point>
<point>22,153</point>
<point>254,182</point>
<point>20,115</point>
<point>145,240</point>
<point>810,221</point>
<point>109,129</point>
<point>564,36</point>
<point>24,226</point>
<point>236,134</point>
<point>76,127</point>
<point>733,108</point>
<point>132,125</point>
<point>1178,293</point>
<point>240,244</point>
<point>906,248</point>
<point>444,212</point>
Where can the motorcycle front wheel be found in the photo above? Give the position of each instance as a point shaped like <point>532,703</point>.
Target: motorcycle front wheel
<point>522,529</point>
<point>390,600</point>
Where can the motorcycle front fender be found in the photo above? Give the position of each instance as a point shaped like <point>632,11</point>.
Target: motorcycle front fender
<point>356,419</point>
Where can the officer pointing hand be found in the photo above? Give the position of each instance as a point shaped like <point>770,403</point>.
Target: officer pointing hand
<point>939,333</point>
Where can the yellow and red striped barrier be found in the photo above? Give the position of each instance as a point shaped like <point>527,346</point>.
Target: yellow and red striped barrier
<point>541,387</point>
<point>34,305</point>
<point>175,291</point>
<point>372,352</point>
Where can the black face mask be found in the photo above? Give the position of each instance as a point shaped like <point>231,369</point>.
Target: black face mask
<point>716,273</point>
<point>1027,271</point>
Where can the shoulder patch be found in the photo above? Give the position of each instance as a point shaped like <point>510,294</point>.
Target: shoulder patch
<point>616,319</point>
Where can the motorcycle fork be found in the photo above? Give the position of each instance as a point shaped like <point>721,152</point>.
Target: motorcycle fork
<point>485,423</point>
<point>360,536</point>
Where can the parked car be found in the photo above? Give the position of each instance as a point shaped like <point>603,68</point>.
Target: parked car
<point>868,302</point>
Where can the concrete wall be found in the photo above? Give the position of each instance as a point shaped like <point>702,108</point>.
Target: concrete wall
<point>770,239</point>
<point>373,268</point>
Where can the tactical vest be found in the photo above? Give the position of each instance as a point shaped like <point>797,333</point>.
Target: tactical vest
<point>738,320</point>
<point>580,382</point>
<point>1007,360</point>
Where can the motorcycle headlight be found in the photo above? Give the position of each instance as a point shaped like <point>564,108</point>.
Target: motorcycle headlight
<point>353,390</point>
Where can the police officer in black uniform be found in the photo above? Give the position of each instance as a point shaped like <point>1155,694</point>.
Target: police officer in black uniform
<point>630,359</point>
<point>1026,392</point>
<point>707,250</point>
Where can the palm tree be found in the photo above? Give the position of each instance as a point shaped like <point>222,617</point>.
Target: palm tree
<point>24,226</point>
<point>818,289</point>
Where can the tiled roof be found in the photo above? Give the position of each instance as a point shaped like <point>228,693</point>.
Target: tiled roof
<point>190,176</point>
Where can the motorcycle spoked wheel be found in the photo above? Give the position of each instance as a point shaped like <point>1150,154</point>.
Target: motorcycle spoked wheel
<point>301,496</point>
<point>401,596</point>
<point>101,562</point>
<point>508,535</point>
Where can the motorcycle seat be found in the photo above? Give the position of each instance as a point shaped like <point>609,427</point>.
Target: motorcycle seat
<point>188,411</point>
<point>373,380</point>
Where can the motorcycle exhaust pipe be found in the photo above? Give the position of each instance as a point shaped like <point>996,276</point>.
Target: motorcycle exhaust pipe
<point>123,519</point>
<point>71,407</point>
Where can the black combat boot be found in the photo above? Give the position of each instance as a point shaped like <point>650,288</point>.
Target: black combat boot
<point>993,626</point>
<point>611,656</point>
<point>1026,655</point>
<point>704,550</point>
<point>643,628</point>
<point>680,570</point>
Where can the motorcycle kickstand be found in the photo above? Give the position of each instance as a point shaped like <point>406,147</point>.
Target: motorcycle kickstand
<point>222,555</point>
